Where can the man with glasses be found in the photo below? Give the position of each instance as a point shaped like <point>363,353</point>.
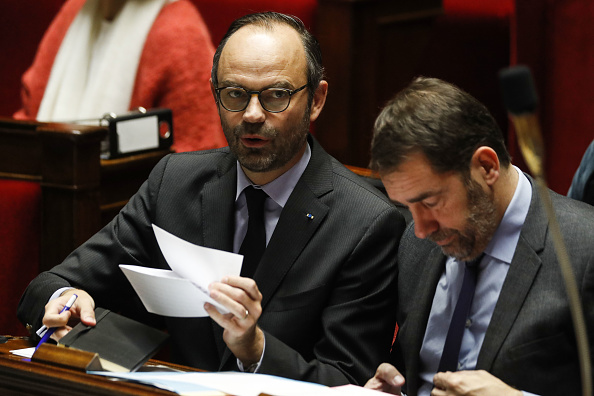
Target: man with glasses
<point>273,100</point>
<point>318,304</point>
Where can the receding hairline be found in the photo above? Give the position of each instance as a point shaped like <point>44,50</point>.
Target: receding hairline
<point>268,27</point>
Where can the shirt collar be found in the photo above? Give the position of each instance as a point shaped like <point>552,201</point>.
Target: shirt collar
<point>504,241</point>
<point>280,188</point>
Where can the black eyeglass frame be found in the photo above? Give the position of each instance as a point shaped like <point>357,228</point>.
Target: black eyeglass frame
<point>291,92</point>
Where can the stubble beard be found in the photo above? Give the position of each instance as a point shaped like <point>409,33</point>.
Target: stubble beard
<point>278,152</point>
<point>481,224</point>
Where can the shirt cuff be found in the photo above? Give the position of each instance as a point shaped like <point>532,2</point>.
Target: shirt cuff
<point>57,293</point>
<point>252,368</point>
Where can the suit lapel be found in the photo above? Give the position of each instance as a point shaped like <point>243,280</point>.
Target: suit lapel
<point>293,231</point>
<point>299,219</point>
<point>218,207</point>
<point>419,316</point>
<point>522,272</point>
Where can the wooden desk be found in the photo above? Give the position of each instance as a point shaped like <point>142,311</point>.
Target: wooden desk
<point>21,377</point>
<point>80,192</point>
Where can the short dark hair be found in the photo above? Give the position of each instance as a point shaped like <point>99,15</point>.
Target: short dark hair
<point>313,52</point>
<point>439,120</point>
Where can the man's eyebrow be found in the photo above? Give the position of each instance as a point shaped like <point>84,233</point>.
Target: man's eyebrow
<point>228,83</point>
<point>423,196</point>
<point>277,84</point>
<point>280,84</point>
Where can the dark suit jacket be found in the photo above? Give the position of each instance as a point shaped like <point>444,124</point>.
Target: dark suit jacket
<point>530,342</point>
<point>328,283</point>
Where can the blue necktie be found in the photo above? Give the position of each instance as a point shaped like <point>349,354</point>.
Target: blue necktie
<point>451,349</point>
<point>254,243</point>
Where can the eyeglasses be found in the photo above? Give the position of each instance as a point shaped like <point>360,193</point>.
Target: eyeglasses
<point>273,100</point>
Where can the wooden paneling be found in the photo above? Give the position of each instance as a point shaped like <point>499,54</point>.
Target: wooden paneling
<point>80,192</point>
<point>371,49</point>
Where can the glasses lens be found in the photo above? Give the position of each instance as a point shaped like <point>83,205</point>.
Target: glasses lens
<point>275,99</point>
<point>234,99</point>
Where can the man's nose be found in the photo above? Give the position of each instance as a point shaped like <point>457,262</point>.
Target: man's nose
<point>254,112</point>
<point>425,223</point>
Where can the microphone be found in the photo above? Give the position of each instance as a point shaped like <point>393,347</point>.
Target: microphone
<point>519,96</point>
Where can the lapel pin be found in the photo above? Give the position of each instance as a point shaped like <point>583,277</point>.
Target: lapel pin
<point>309,216</point>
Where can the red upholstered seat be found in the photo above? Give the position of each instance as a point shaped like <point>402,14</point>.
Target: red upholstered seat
<point>20,234</point>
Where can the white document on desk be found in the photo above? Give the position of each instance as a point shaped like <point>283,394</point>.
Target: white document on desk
<point>238,384</point>
<point>183,290</point>
<point>225,383</point>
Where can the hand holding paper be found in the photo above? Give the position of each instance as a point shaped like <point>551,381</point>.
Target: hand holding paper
<point>182,291</point>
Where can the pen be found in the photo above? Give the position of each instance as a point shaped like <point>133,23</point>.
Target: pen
<point>51,330</point>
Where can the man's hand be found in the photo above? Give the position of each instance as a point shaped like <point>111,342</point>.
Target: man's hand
<point>471,383</point>
<point>83,309</point>
<point>244,301</point>
<point>386,379</point>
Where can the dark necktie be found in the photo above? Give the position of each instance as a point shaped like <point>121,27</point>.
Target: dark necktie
<point>253,245</point>
<point>451,349</point>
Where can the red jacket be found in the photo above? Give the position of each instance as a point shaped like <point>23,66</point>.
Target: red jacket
<point>173,72</point>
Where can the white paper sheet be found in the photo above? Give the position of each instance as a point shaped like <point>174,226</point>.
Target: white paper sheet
<point>24,352</point>
<point>183,291</point>
<point>233,383</point>
<point>239,384</point>
<point>247,384</point>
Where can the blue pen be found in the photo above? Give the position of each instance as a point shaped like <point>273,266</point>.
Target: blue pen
<point>51,330</point>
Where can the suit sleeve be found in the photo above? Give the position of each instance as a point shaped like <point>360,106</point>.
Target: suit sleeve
<point>94,266</point>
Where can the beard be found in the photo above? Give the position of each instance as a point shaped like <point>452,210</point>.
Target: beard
<point>282,146</point>
<point>481,223</point>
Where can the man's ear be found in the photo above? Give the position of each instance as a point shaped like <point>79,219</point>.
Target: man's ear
<point>486,163</point>
<point>319,100</point>
<point>212,90</point>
